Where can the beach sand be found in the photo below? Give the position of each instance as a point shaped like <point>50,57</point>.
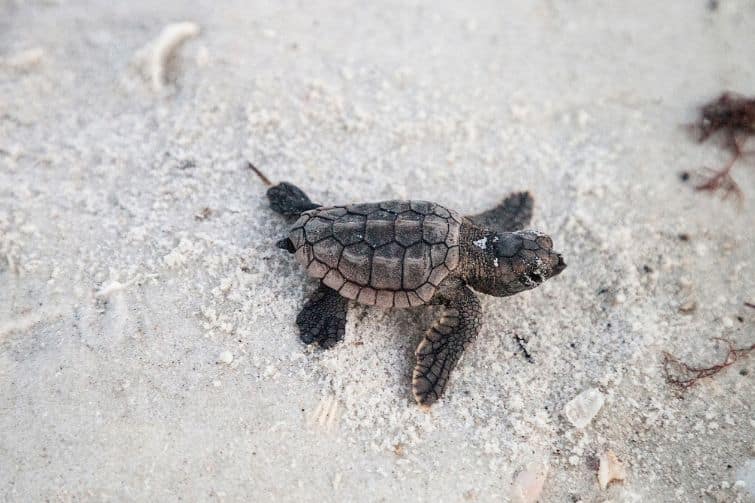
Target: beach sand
<point>148,349</point>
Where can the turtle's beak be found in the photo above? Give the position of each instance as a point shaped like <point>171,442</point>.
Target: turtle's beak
<point>560,265</point>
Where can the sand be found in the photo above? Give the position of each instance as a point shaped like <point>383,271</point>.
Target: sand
<point>147,341</point>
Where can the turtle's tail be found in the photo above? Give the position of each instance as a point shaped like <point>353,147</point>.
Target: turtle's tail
<point>285,198</point>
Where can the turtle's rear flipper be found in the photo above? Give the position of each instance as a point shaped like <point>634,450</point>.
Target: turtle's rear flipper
<point>513,214</point>
<point>288,199</point>
<point>444,343</point>
<point>323,318</point>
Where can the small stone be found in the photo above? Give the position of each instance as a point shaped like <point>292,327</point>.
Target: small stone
<point>688,306</point>
<point>270,371</point>
<point>610,469</point>
<point>583,408</point>
<point>225,357</point>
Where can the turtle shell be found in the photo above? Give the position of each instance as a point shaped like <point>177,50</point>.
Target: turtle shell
<point>389,254</point>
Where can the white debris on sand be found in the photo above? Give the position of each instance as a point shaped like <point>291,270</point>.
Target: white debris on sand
<point>109,289</point>
<point>155,57</point>
<point>325,415</point>
<point>610,469</point>
<point>225,357</point>
<point>584,407</point>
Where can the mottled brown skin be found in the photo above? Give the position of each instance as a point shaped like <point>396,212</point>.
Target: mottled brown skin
<point>413,253</point>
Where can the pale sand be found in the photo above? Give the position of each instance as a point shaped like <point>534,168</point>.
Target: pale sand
<point>147,346</point>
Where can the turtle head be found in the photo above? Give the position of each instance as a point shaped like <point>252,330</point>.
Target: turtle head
<point>511,262</point>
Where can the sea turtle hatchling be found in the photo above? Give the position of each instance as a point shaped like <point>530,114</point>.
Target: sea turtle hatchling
<point>407,254</point>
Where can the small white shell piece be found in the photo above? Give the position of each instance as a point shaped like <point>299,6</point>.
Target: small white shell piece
<point>610,469</point>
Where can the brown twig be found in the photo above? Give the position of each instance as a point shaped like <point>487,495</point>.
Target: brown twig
<point>264,179</point>
<point>521,341</point>
<point>687,375</point>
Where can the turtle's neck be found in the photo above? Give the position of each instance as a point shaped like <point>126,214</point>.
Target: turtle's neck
<point>477,267</point>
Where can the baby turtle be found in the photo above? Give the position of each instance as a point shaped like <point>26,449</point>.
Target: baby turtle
<point>412,253</point>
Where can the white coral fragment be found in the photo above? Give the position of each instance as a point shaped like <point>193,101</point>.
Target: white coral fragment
<point>156,55</point>
<point>610,469</point>
<point>584,407</point>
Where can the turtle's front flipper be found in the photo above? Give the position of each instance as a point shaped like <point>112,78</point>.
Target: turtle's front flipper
<point>443,344</point>
<point>323,318</point>
<point>288,199</point>
<point>513,214</point>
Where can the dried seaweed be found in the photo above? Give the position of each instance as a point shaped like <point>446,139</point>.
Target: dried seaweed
<point>732,118</point>
<point>683,376</point>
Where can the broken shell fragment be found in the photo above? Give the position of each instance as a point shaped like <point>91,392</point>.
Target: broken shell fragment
<point>688,306</point>
<point>610,469</point>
